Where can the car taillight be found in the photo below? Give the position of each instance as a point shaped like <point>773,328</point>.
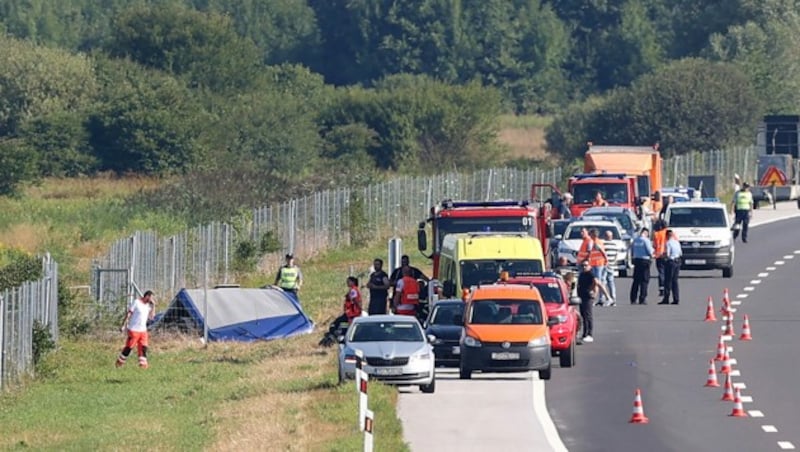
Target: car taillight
<point>350,359</point>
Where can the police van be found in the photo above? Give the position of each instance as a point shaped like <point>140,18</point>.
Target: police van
<point>704,230</point>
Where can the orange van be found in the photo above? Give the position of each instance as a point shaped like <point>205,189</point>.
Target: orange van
<point>506,329</point>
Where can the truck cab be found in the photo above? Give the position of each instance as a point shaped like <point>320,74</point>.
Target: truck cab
<point>617,189</point>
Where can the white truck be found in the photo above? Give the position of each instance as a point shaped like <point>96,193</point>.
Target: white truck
<point>704,230</point>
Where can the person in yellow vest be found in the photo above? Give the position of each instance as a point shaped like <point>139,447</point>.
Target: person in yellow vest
<point>742,209</point>
<point>289,277</point>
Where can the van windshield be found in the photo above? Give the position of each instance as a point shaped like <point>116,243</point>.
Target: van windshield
<point>496,312</point>
<point>699,217</point>
<point>474,272</point>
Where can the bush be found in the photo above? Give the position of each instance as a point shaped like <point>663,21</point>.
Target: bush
<point>245,257</point>
<point>43,342</point>
<point>17,267</point>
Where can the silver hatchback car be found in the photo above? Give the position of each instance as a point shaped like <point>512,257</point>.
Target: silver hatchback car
<point>395,351</point>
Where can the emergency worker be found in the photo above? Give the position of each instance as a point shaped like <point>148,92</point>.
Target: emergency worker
<point>406,294</point>
<point>742,210</point>
<point>289,277</point>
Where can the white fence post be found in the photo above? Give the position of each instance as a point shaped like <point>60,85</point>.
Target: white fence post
<point>368,425</point>
<point>362,379</point>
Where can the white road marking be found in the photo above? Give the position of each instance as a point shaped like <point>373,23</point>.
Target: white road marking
<point>785,445</point>
<point>540,408</point>
<point>736,302</point>
<point>727,337</point>
<point>769,428</point>
<point>789,256</point>
<point>755,281</point>
<point>771,268</point>
<point>734,310</point>
<point>763,275</point>
<point>733,361</point>
<point>740,385</point>
<point>743,295</point>
<point>746,399</point>
<point>749,289</point>
<point>779,262</point>
<point>736,373</point>
<point>755,413</point>
<point>796,251</point>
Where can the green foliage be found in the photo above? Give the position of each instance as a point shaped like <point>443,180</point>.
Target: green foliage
<point>61,142</point>
<point>269,243</point>
<point>360,232</point>
<point>245,256</point>
<point>17,166</point>
<point>43,342</point>
<point>17,267</point>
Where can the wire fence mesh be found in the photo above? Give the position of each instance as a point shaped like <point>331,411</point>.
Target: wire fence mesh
<point>20,309</point>
<point>329,219</point>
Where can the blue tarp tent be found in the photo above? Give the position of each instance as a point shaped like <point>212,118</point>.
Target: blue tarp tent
<point>236,314</point>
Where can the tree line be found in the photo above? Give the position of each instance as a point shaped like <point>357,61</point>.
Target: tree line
<point>292,95</point>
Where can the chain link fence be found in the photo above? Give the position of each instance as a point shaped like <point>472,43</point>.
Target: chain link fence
<point>332,218</point>
<point>20,308</point>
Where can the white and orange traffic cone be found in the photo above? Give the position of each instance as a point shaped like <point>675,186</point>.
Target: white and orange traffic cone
<point>726,303</point>
<point>738,409</point>
<point>726,364</point>
<point>727,395</point>
<point>710,317</point>
<point>712,382</point>
<point>746,336</point>
<point>638,409</point>
<point>729,325</point>
<point>721,350</point>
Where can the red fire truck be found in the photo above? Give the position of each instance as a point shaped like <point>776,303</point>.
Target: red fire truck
<point>451,217</point>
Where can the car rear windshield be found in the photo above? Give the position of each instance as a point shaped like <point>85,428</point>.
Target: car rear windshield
<point>575,233</point>
<point>386,332</point>
<point>446,314</point>
<point>550,292</point>
<point>498,312</point>
<point>698,217</point>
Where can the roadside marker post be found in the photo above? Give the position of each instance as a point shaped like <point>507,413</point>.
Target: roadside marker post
<point>369,418</point>
<point>362,381</point>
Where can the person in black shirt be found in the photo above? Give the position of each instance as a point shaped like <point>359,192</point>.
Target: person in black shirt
<point>378,285</point>
<point>415,272</point>
<point>587,290</point>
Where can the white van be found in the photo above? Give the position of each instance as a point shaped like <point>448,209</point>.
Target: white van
<point>704,230</point>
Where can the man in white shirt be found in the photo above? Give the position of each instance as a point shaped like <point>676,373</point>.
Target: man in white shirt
<point>139,312</point>
<point>672,268</point>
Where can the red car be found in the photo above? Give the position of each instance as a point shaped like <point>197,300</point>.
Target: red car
<point>556,296</point>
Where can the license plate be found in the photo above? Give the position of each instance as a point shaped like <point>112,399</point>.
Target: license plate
<point>505,356</point>
<point>388,371</point>
<point>456,350</point>
<point>695,261</point>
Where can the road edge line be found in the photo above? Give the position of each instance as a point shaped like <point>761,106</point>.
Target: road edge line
<point>775,220</point>
<point>545,421</point>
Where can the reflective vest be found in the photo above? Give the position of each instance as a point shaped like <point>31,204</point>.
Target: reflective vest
<point>660,243</point>
<point>352,304</point>
<point>744,200</point>
<point>583,251</point>
<point>596,257</point>
<point>409,298</point>
<point>289,277</point>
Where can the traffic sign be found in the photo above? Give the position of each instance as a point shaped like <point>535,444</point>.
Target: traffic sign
<point>773,176</point>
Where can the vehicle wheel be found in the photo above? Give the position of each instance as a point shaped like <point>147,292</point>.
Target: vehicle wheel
<point>567,357</point>
<point>464,373</point>
<point>544,374</point>
<point>429,389</point>
<point>727,272</point>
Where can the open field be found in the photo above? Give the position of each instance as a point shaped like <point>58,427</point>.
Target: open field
<point>524,136</point>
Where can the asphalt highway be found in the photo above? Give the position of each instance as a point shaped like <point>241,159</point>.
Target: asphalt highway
<point>664,351</point>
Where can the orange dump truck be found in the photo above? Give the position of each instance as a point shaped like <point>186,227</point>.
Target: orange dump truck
<point>644,162</point>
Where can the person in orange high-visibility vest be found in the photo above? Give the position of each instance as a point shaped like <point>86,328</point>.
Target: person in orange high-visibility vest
<point>660,251</point>
<point>351,308</point>
<point>406,295</point>
<point>586,245</point>
<point>597,257</point>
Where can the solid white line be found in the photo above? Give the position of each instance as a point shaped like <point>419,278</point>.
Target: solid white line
<point>763,275</point>
<point>749,289</point>
<point>769,428</point>
<point>736,373</point>
<point>540,409</point>
<point>789,256</point>
<point>755,413</point>
<point>771,268</point>
<point>743,295</point>
<point>779,262</point>
<point>736,302</point>
<point>785,445</point>
<point>755,281</point>
<point>739,385</point>
<point>747,399</point>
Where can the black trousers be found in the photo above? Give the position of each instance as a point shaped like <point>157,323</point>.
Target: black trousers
<point>672,270</point>
<point>743,220</point>
<point>641,278</point>
<point>377,306</point>
<point>660,264</point>
<point>586,315</point>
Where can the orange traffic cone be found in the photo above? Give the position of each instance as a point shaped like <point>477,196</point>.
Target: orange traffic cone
<point>710,317</point>
<point>712,382</point>
<point>726,303</point>
<point>729,325</point>
<point>638,410</point>
<point>721,350</point>
<point>746,330</point>
<point>738,409</point>
<point>726,364</point>
<point>728,394</point>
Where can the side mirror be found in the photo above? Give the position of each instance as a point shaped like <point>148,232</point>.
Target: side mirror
<point>422,239</point>
<point>575,301</point>
<point>431,338</point>
<point>458,319</point>
<point>558,237</point>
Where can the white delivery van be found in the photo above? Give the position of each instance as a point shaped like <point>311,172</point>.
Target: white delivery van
<point>704,230</point>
